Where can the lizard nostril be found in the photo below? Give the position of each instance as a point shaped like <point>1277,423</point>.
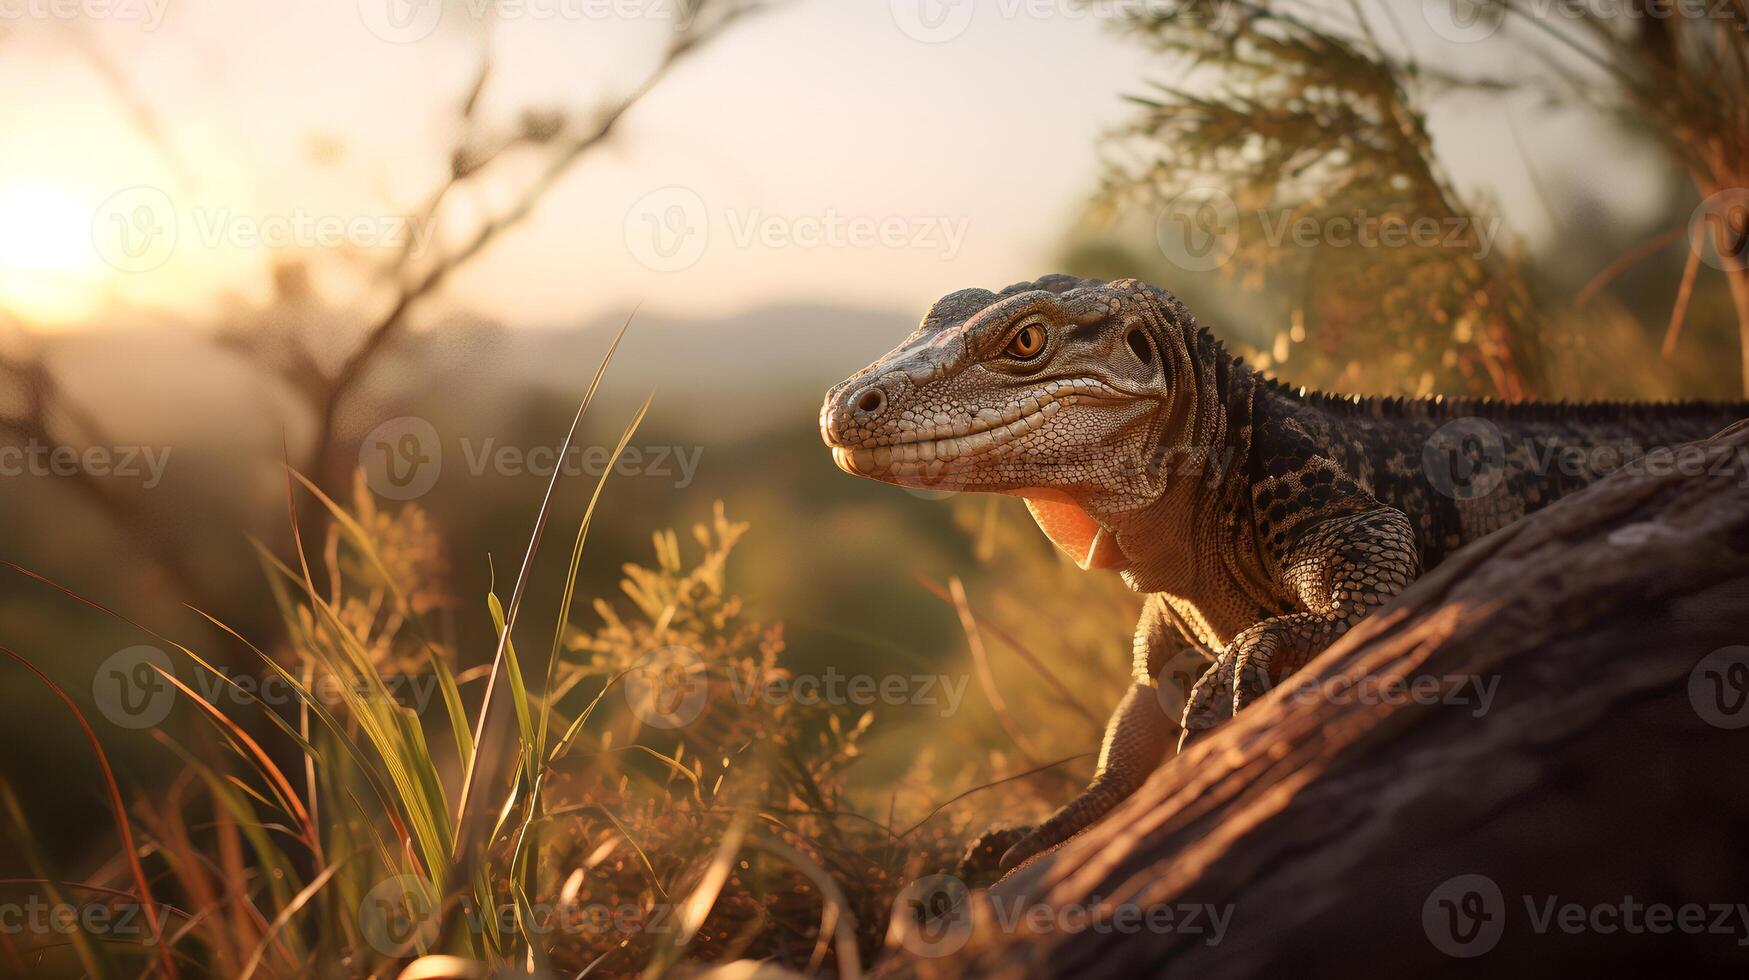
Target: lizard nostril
<point>871,401</point>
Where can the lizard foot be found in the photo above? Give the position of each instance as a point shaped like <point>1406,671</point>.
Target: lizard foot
<point>1256,652</point>
<point>1211,699</point>
<point>982,863</point>
<point>1135,744</point>
<point>1107,791</point>
<point>1253,663</point>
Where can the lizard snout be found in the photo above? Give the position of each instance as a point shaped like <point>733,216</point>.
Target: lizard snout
<point>851,413</point>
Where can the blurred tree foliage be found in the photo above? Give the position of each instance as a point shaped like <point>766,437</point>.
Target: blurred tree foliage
<point>1314,116</point>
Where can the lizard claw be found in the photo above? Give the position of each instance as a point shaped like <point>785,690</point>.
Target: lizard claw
<point>1036,841</point>
<point>1252,678</point>
<point>984,859</point>
<point>1211,700</point>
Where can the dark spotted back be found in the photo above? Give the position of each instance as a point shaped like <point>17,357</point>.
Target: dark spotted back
<point>1458,468</point>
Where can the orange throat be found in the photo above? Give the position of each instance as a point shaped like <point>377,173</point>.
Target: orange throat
<point>1075,531</point>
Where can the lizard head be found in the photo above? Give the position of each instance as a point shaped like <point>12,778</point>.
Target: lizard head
<point>1054,390</point>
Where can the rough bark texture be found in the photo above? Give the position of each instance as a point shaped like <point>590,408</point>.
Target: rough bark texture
<point>1328,825</point>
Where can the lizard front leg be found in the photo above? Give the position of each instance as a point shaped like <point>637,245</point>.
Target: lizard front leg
<point>1339,571</point>
<point>1136,738</point>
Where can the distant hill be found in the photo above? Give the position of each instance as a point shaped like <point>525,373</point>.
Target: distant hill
<point>743,375</point>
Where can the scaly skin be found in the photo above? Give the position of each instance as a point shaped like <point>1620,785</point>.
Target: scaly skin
<point>1260,521</point>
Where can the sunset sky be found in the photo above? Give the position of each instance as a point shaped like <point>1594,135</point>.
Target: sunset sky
<point>819,153</point>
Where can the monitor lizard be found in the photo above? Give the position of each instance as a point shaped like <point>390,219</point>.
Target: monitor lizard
<point>1261,521</point>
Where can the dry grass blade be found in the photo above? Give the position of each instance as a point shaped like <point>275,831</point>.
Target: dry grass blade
<point>394,732</point>
<point>993,783</point>
<point>488,752</point>
<point>90,956</point>
<point>698,904</point>
<point>118,810</point>
<point>1061,689</point>
<point>571,576</point>
<point>987,679</point>
<point>247,746</point>
<point>285,915</point>
<point>1679,312</point>
<point>835,917</point>
<point>446,682</point>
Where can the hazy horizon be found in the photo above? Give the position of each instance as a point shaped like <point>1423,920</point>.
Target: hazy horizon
<point>761,171</point>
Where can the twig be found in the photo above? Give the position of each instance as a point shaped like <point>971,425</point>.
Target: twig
<point>392,322</point>
<point>981,661</point>
<point>990,785</point>
<point>1066,696</point>
<point>1684,292</point>
<point>1628,260</point>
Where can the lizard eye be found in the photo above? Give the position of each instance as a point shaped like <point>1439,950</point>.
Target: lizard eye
<point>1138,342</point>
<point>1027,343</point>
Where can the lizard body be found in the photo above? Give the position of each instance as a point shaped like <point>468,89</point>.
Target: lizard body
<point>1260,521</point>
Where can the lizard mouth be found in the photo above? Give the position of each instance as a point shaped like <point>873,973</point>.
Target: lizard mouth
<point>935,452</point>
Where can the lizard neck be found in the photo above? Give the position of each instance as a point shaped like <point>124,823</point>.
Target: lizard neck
<point>1179,543</point>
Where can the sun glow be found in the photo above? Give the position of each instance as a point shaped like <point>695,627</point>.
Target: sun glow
<point>49,270</point>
